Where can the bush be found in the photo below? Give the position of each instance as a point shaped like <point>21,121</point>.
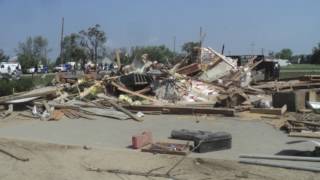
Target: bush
<point>7,86</point>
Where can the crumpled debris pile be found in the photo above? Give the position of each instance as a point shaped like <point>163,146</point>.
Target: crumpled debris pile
<point>212,84</point>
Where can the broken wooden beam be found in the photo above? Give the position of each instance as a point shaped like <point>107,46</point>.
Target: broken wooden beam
<point>120,108</point>
<point>168,109</point>
<point>305,134</point>
<point>189,69</point>
<point>304,122</point>
<point>133,93</point>
<point>7,112</point>
<point>274,111</point>
<point>37,93</point>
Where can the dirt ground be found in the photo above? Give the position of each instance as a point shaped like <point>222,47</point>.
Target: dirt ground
<point>51,161</point>
<point>56,149</point>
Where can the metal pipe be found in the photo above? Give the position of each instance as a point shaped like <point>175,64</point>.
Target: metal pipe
<point>286,166</point>
<point>289,158</point>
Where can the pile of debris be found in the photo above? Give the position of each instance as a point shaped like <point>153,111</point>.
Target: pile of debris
<point>212,84</point>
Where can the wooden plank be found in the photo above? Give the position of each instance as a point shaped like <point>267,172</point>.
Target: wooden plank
<point>304,122</point>
<point>4,99</point>
<point>274,111</point>
<point>166,109</point>
<point>133,93</point>
<point>189,69</point>
<point>305,134</point>
<point>120,108</point>
<point>118,58</point>
<point>144,90</point>
<point>164,148</point>
<point>288,85</point>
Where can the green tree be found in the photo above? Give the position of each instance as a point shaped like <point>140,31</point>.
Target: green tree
<point>3,57</point>
<point>284,54</point>
<point>190,47</point>
<point>40,50</point>
<point>33,52</point>
<point>315,57</point>
<point>160,53</point>
<point>73,51</point>
<point>93,40</point>
<point>192,50</point>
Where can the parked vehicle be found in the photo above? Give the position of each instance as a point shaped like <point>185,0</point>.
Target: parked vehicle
<point>41,69</point>
<point>60,68</point>
<point>10,69</point>
<point>63,68</point>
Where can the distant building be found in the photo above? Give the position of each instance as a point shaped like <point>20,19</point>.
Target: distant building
<point>282,62</point>
<point>106,60</point>
<point>13,59</point>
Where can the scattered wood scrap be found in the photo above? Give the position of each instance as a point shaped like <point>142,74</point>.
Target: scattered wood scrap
<point>167,148</point>
<point>274,111</point>
<point>120,108</point>
<point>7,112</point>
<point>305,134</point>
<point>29,96</point>
<point>169,109</point>
<point>133,93</point>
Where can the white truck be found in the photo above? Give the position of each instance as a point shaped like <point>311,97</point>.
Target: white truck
<point>10,69</point>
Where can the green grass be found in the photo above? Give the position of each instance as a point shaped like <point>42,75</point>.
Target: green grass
<point>25,83</point>
<point>297,70</point>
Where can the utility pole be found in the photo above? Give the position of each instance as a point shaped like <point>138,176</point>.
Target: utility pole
<point>174,47</point>
<point>200,37</point>
<point>61,42</point>
<point>252,48</point>
<point>222,50</point>
<point>200,42</point>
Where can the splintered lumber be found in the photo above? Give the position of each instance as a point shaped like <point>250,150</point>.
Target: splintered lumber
<point>7,112</point>
<point>166,109</point>
<point>166,148</point>
<point>42,92</point>
<point>287,85</point>
<point>305,134</point>
<point>133,93</point>
<point>144,90</point>
<point>310,78</point>
<point>120,108</point>
<point>305,122</point>
<point>46,105</point>
<point>60,106</point>
<point>189,69</point>
<point>118,58</point>
<point>89,90</point>
<point>274,111</point>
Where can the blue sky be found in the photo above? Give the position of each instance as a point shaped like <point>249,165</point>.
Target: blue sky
<point>269,24</point>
